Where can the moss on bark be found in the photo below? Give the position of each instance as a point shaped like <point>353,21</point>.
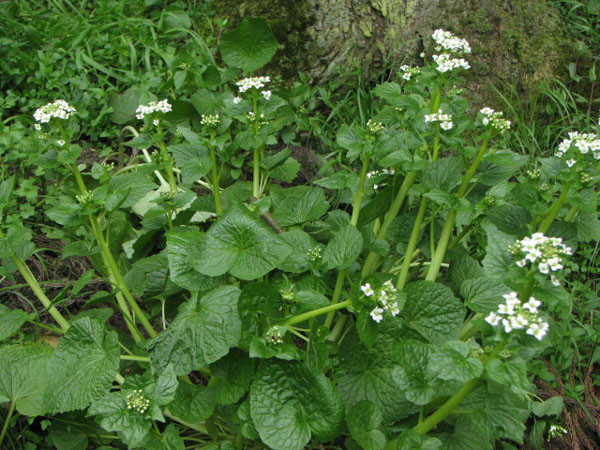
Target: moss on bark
<point>516,42</point>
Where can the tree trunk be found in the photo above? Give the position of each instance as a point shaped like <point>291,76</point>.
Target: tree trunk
<point>516,42</point>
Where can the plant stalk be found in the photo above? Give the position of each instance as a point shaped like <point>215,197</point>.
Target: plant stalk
<point>373,258</point>
<point>555,209</point>
<point>11,410</point>
<point>215,179</point>
<point>412,243</point>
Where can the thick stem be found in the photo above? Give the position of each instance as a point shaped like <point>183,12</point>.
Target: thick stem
<point>118,278</point>
<point>555,209</point>
<point>412,243</point>
<point>440,251</point>
<point>337,293</point>
<point>316,312</point>
<point>373,258</point>
<point>215,182</point>
<point>571,214</point>
<point>39,293</point>
<point>135,358</point>
<point>11,410</point>
<point>256,174</point>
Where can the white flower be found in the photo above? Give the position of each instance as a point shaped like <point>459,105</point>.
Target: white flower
<point>446,63</point>
<point>532,305</point>
<point>266,94</point>
<point>506,309</point>
<point>555,281</point>
<point>367,290</point>
<point>253,82</point>
<point>448,41</point>
<point>377,314</point>
<point>493,319</point>
<point>209,120</point>
<point>538,330</point>
<point>237,100</point>
<point>59,109</point>
<point>571,162</point>
<point>162,106</point>
<point>446,125</point>
<point>37,126</point>
<point>543,268</point>
<point>507,326</point>
<point>155,122</point>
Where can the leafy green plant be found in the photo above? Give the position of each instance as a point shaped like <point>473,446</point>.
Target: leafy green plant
<point>398,302</point>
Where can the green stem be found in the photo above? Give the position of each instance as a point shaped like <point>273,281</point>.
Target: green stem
<point>440,251</point>
<point>339,282</point>
<point>316,312</point>
<point>571,214</point>
<point>39,293</point>
<point>337,293</point>
<point>11,410</point>
<point>135,358</point>
<point>120,282</point>
<point>373,258</point>
<point>168,159</point>
<point>446,409</point>
<point>412,243</point>
<point>215,180</point>
<point>256,174</point>
<point>360,191</point>
<point>555,209</point>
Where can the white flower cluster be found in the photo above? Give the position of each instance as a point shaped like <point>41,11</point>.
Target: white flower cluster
<point>445,40</point>
<point>515,315</point>
<point>385,296</point>
<point>408,71</point>
<point>314,253</point>
<point>374,127</point>
<point>583,142</point>
<point>210,120</point>
<point>546,252</point>
<point>494,119</point>
<point>137,401</point>
<point>444,119</point>
<point>59,109</point>
<point>556,431</point>
<point>144,110</point>
<point>446,63</point>
<point>253,82</point>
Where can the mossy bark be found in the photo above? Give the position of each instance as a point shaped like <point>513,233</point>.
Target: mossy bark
<point>516,42</point>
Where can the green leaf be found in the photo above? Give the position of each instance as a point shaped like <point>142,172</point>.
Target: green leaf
<point>550,407</point>
<point>193,402</point>
<point>301,204</point>
<point>387,90</point>
<point>242,244</point>
<point>250,46</point>
<point>510,219</point>
<point>451,362</point>
<point>289,403</point>
<point>169,439</point>
<point>235,372</point>
<point>135,185</point>
<point>433,311</point>
<point>495,413</point>
<point>482,294</point>
<point>410,440</point>
<point>497,258</point>
<point>372,377</point>
<point>287,171</point>
<point>443,174</point>
<point>202,332</point>
<point>124,105</point>
<point>23,375</point>
<point>511,373</point>
<point>11,320</point>
<point>344,248</point>
<point>417,383</point>
<point>83,366</point>
<point>363,419</point>
<point>182,250</point>
<point>149,277</point>
<point>300,244</point>
<point>112,414</point>
<point>66,212</point>
<point>193,159</point>
<point>339,180</point>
